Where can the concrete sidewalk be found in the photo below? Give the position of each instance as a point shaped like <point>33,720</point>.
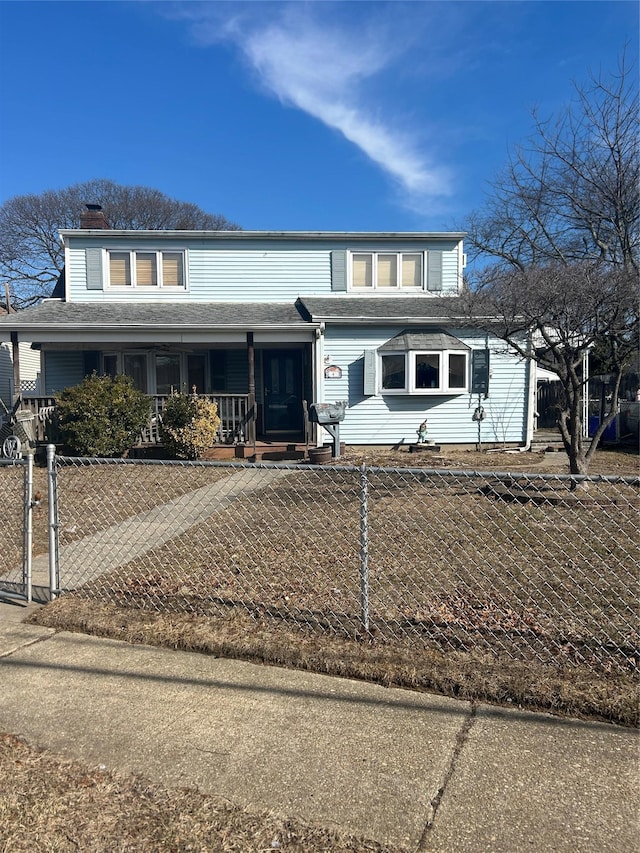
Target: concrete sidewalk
<point>404,768</point>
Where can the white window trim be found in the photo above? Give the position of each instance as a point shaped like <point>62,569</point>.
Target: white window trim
<point>386,290</point>
<point>145,288</point>
<point>410,374</point>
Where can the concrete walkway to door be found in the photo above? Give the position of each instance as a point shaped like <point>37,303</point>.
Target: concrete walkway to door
<point>101,552</point>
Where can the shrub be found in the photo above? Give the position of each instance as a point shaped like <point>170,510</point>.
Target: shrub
<point>102,416</point>
<point>189,425</point>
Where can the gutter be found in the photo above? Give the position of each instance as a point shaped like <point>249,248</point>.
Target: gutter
<point>256,235</point>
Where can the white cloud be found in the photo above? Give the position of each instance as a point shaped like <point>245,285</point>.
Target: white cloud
<point>329,71</point>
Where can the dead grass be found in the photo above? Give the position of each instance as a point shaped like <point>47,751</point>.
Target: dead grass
<point>48,803</point>
<point>569,691</point>
<point>622,462</point>
<point>449,567</point>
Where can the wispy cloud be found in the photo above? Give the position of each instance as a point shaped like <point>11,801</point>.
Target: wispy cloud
<point>328,66</point>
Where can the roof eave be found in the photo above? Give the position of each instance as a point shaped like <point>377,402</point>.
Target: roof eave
<point>252,235</point>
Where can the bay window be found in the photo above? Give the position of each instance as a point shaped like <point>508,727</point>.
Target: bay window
<point>424,372</point>
<point>418,361</point>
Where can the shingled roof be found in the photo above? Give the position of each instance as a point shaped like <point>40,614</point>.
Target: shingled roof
<point>373,309</point>
<point>92,316</point>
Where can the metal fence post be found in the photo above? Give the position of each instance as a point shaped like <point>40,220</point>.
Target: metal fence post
<point>364,547</point>
<point>54,563</point>
<point>28,527</point>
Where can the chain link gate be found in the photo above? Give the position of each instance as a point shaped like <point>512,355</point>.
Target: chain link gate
<point>16,500</point>
<point>525,566</point>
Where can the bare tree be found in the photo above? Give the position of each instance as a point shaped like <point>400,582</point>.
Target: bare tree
<point>572,193</point>
<point>31,255</point>
<point>556,314</point>
<point>561,233</point>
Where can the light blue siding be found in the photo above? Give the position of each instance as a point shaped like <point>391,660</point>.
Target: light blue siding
<point>256,271</point>
<point>257,276</point>
<point>390,419</point>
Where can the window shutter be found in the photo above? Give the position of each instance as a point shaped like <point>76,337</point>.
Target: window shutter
<point>94,268</point>
<point>434,270</point>
<point>370,378</point>
<point>338,269</point>
<point>480,372</point>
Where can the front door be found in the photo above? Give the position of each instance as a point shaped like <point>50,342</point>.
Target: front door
<point>282,374</point>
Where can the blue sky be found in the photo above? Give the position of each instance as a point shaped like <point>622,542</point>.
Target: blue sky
<point>293,116</point>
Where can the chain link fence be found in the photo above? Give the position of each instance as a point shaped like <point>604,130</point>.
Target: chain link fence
<point>14,484</point>
<point>519,565</point>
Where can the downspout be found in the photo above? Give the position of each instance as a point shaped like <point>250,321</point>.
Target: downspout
<point>532,398</point>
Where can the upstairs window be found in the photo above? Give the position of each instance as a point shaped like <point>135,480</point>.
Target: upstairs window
<point>387,271</point>
<point>147,269</point>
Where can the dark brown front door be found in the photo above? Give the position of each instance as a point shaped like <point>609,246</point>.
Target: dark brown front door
<point>282,374</point>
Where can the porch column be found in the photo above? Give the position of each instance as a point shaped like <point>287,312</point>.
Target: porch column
<point>15,354</point>
<point>251,425</point>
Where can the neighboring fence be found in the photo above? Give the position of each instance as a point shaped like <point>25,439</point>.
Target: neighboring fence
<point>526,566</point>
<point>16,486</point>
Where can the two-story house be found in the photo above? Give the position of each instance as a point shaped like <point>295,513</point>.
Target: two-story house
<point>266,320</point>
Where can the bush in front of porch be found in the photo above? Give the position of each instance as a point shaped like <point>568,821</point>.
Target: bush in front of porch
<point>189,425</point>
<point>102,416</point>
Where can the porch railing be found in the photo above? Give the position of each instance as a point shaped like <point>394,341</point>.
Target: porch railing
<point>233,409</point>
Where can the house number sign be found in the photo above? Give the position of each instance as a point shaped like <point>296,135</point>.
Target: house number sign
<point>332,371</point>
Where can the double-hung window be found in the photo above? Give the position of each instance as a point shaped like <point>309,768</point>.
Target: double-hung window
<point>387,271</point>
<point>147,269</point>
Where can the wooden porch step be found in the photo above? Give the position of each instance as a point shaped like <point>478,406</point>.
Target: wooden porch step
<point>271,451</point>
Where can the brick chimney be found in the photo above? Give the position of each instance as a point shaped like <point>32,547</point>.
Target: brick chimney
<point>93,217</point>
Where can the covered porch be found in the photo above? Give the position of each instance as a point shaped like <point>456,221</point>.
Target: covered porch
<point>259,362</point>
<point>234,439</point>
